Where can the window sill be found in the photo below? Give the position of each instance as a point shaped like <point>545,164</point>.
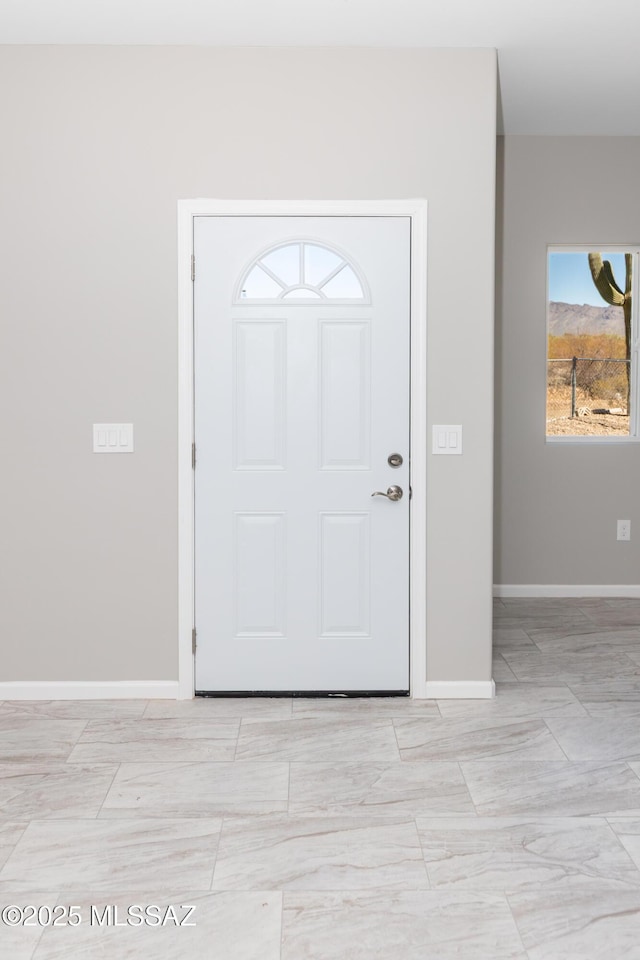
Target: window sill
<point>591,440</point>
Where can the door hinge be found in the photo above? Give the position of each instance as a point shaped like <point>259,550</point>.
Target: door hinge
<point>193,266</point>
<point>193,456</point>
<point>193,640</point>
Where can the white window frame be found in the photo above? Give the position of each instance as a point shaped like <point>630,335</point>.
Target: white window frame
<point>634,413</point>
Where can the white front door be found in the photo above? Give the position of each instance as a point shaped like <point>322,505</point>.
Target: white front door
<point>301,397</point>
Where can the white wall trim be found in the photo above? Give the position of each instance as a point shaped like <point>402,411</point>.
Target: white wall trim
<point>566,590</point>
<point>186,480</point>
<point>460,689</point>
<point>417,211</point>
<point>89,690</point>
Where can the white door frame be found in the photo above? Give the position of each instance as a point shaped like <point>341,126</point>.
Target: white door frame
<point>417,211</point>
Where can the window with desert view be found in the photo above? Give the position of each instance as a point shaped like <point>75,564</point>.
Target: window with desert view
<point>591,343</point>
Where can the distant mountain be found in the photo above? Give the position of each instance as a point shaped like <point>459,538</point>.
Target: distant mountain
<point>574,318</point>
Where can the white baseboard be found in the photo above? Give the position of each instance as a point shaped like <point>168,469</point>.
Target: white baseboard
<point>508,590</point>
<point>169,690</point>
<point>89,690</point>
<point>460,689</point>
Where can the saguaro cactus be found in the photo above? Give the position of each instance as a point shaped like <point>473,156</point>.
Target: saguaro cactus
<point>602,274</point>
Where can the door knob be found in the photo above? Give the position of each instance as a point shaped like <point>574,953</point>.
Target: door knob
<point>393,493</point>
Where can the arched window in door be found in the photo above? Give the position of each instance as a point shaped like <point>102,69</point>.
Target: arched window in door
<point>302,271</point>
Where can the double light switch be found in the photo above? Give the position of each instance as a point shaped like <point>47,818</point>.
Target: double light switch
<point>447,438</point>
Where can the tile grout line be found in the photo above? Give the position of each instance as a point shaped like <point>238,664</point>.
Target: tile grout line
<point>42,933</point>
<point>235,749</point>
<point>109,788</point>
<point>215,859</point>
<point>78,738</point>
<point>424,859</point>
<point>467,787</point>
<point>515,923</point>
<point>281,922</point>
<point>527,633</point>
<point>395,736</point>
<point>607,820</point>
<point>555,739</point>
<point>634,772</point>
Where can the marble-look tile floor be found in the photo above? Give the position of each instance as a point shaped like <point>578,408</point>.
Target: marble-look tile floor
<point>341,829</point>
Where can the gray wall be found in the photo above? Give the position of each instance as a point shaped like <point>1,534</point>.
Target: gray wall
<point>557,504</point>
<point>98,145</point>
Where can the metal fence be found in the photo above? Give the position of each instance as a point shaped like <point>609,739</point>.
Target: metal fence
<point>583,386</point>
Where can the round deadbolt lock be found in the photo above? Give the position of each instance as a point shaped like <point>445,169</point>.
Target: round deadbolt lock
<point>395,460</point>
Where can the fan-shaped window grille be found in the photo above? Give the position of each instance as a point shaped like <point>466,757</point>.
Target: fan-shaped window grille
<point>303,271</point>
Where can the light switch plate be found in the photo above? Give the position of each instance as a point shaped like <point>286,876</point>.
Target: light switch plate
<point>447,438</point>
<point>113,438</point>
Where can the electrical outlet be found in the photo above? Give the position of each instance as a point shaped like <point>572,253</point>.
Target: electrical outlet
<point>624,529</point>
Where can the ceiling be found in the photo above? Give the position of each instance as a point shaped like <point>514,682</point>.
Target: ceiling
<point>566,66</point>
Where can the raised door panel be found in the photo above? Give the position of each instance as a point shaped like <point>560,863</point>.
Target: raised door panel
<point>345,395</point>
<point>259,367</point>
<point>345,575</point>
<point>260,574</point>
